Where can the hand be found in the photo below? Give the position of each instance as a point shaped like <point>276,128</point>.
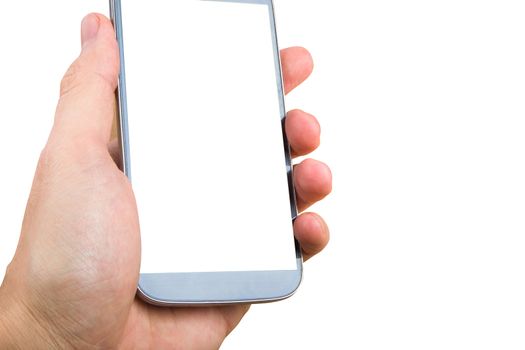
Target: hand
<point>73,279</point>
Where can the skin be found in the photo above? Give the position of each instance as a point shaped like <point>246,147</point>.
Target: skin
<point>73,279</point>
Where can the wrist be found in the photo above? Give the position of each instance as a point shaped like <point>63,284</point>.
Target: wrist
<point>8,322</point>
<point>19,327</point>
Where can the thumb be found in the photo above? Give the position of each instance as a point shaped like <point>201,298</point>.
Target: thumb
<point>87,93</point>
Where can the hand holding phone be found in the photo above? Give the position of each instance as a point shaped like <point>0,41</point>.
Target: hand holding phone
<point>79,251</point>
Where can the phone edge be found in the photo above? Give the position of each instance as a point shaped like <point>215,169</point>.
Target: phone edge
<point>116,18</point>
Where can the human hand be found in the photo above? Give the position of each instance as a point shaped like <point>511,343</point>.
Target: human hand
<point>73,279</point>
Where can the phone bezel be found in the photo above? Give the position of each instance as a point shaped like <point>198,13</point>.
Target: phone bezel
<point>212,288</point>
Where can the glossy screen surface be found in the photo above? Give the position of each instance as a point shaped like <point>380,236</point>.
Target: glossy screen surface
<point>206,151</point>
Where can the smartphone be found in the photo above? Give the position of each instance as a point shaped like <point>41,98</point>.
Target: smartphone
<point>202,111</point>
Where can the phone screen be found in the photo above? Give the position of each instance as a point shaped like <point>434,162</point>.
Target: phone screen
<point>206,149</point>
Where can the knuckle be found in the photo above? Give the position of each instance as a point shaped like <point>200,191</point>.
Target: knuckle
<point>48,161</point>
<point>72,164</point>
<point>56,158</point>
<point>79,74</point>
<point>72,78</point>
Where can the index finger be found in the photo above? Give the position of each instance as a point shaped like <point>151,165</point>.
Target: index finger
<point>297,65</point>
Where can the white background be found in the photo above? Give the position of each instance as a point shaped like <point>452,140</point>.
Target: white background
<point>423,111</point>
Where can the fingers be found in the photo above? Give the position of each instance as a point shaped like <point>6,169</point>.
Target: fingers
<point>297,65</point>
<point>313,179</point>
<point>87,102</point>
<point>303,132</point>
<point>312,233</point>
<point>313,182</point>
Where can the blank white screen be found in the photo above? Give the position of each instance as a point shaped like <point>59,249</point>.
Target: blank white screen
<point>207,155</point>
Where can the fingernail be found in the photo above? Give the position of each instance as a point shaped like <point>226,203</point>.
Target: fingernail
<point>90,26</point>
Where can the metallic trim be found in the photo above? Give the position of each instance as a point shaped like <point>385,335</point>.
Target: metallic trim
<point>116,17</point>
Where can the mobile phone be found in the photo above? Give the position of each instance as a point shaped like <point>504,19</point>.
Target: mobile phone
<point>202,111</point>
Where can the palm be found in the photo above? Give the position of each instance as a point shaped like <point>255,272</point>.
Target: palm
<point>188,328</point>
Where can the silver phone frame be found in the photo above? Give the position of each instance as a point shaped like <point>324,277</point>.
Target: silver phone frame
<point>268,290</point>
